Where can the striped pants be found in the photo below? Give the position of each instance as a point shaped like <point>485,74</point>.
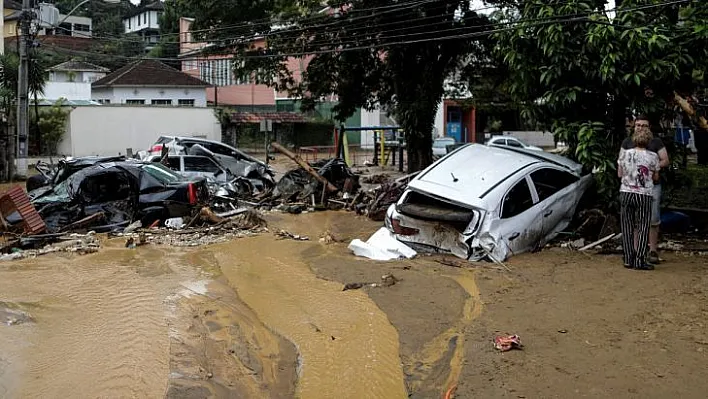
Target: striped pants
<point>635,218</point>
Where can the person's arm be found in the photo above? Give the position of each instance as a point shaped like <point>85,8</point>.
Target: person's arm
<point>688,109</point>
<point>620,173</point>
<point>655,167</point>
<point>663,158</point>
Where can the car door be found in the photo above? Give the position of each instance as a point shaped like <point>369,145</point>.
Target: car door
<point>555,188</point>
<point>514,143</point>
<point>519,223</point>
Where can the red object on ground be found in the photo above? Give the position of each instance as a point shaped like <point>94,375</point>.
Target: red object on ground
<point>507,343</point>
<point>16,199</point>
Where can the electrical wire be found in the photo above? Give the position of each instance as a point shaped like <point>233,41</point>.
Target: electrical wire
<point>528,23</point>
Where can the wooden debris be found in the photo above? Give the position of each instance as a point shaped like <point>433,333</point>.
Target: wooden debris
<point>309,169</point>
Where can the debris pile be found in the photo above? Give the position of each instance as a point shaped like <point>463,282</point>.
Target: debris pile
<point>210,229</point>
<point>72,243</point>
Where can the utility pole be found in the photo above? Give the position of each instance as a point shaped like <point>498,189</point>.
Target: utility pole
<point>23,90</point>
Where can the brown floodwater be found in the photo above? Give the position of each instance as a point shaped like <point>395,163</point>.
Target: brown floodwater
<point>247,318</point>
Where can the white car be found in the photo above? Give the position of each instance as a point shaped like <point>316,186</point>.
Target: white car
<point>440,146</point>
<point>508,141</point>
<point>488,202</point>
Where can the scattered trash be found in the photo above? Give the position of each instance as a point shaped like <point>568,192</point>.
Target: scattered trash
<point>381,246</point>
<point>73,243</point>
<point>387,280</point>
<point>507,343</point>
<point>328,238</point>
<point>287,235</point>
<point>563,331</point>
<point>133,242</point>
<point>175,223</point>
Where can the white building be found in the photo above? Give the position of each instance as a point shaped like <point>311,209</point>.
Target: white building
<point>72,80</point>
<point>70,26</point>
<point>150,82</point>
<point>145,21</point>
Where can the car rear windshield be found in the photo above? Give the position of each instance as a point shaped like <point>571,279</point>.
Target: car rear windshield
<point>162,173</point>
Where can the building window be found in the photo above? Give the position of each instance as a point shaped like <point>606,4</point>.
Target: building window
<point>103,101</point>
<point>161,102</point>
<point>64,29</point>
<point>82,28</point>
<point>185,103</point>
<point>135,102</point>
<point>145,18</point>
<point>219,72</point>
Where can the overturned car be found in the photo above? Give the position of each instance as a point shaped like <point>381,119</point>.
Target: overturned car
<point>482,202</point>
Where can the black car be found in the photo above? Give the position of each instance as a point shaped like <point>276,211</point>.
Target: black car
<point>65,168</point>
<point>124,192</point>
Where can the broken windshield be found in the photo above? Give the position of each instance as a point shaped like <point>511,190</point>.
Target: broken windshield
<point>161,173</point>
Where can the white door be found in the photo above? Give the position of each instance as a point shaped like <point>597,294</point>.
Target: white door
<point>519,224</point>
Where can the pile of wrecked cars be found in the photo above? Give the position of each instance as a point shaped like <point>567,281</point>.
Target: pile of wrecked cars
<point>477,202</point>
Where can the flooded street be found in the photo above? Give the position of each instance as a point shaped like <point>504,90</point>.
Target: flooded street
<point>266,317</point>
<point>248,317</point>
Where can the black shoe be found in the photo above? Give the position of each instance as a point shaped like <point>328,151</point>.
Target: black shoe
<point>645,266</point>
<point>628,266</point>
<point>653,258</point>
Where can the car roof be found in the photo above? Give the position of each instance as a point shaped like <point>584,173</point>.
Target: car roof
<point>469,172</point>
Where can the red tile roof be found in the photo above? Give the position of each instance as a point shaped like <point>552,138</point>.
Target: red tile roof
<point>57,41</point>
<point>277,117</point>
<point>149,73</point>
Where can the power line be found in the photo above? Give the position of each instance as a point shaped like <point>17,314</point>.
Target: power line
<point>525,22</point>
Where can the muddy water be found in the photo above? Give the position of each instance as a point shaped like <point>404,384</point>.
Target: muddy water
<point>98,326</point>
<point>247,318</point>
<point>346,344</point>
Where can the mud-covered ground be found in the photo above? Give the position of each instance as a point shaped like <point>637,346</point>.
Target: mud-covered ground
<point>266,317</point>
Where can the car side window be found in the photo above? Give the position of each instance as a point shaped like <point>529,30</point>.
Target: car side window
<point>549,181</point>
<point>200,164</point>
<point>173,163</point>
<point>514,143</point>
<point>517,200</point>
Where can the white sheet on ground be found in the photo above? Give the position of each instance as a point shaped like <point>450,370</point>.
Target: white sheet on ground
<point>381,246</point>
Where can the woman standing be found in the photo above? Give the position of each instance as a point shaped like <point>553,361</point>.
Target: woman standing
<point>639,169</point>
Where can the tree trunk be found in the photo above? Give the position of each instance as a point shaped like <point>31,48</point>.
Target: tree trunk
<point>419,149</point>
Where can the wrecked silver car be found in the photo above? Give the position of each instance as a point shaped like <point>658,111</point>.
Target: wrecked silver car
<point>481,202</point>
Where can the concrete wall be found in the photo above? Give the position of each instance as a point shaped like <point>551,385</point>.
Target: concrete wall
<point>119,95</point>
<point>68,90</point>
<point>109,130</point>
<point>539,139</point>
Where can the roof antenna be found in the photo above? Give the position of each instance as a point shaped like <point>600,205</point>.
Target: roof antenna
<point>454,179</point>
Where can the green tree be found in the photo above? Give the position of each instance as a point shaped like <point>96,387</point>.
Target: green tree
<point>9,66</point>
<point>580,72</point>
<point>52,123</point>
<point>357,54</point>
<point>168,45</point>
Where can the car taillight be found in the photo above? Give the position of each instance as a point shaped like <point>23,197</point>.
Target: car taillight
<point>402,230</point>
<point>192,194</point>
<point>156,148</point>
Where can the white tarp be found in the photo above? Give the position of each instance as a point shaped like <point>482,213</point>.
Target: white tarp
<point>381,246</point>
